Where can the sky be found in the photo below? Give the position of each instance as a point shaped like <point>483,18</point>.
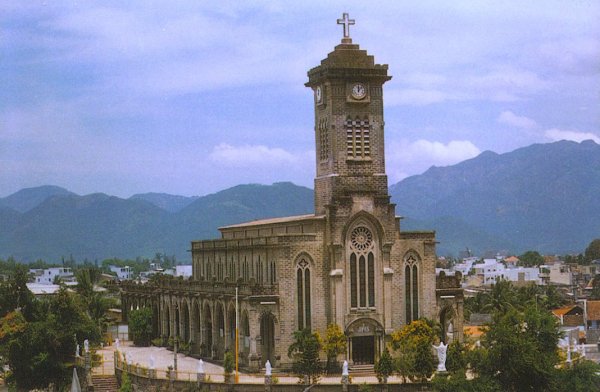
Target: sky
<point>192,97</point>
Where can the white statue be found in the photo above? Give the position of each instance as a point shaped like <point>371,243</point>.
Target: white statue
<point>86,346</point>
<point>268,368</point>
<point>152,365</point>
<point>200,367</point>
<point>117,344</point>
<point>441,353</point>
<point>345,368</point>
<point>77,351</point>
<point>569,354</point>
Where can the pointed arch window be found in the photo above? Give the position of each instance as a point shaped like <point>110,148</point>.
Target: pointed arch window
<point>411,286</point>
<point>362,268</point>
<point>303,293</point>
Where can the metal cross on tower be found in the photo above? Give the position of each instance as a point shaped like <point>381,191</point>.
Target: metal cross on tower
<point>347,23</point>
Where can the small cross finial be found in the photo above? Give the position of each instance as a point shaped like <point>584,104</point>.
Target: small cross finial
<point>347,23</point>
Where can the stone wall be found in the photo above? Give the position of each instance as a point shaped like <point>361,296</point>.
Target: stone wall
<point>151,385</point>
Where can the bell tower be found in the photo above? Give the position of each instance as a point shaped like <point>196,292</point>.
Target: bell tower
<point>349,125</point>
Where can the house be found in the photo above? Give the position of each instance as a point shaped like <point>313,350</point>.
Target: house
<point>570,315</point>
<point>123,273</point>
<point>50,275</point>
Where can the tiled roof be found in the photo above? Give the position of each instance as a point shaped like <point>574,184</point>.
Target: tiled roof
<point>271,221</point>
<point>564,310</point>
<point>593,310</point>
<point>474,331</point>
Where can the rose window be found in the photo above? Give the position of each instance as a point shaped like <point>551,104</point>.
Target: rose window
<point>361,238</point>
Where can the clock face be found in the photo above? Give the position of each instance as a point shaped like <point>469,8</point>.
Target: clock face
<point>318,94</point>
<point>359,91</point>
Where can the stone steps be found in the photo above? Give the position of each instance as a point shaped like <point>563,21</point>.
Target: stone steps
<point>105,383</point>
<point>361,370</point>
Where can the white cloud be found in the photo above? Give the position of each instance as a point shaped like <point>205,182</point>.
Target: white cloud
<point>509,118</point>
<point>252,155</point>
<point>409,158</point>
<point>576,136</point>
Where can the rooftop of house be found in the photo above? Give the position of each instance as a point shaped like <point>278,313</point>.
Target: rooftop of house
<point>573,309</point>
<point>593,310</point>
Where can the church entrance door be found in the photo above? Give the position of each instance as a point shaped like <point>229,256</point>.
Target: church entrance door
<point>267,334</point>
<point>363,350</point>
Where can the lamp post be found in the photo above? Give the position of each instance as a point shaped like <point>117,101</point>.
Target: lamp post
<point>175,353</point>
<point>237,337</point>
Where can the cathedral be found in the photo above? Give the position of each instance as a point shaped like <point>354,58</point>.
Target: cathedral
<point>348,263</point>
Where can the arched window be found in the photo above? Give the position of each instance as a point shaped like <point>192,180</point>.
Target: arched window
<point>362,268</point>
<point>411,286</point>
<point>303,293</point>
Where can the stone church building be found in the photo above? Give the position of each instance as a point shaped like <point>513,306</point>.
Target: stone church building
<point>349,263</point>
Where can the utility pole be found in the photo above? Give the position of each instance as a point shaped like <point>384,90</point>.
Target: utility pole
<point>237,338</point>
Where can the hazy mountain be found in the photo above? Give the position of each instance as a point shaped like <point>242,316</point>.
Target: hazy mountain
<point>544,197</point>
<point>171,203</point>
<point>28,198</point>
<point>99,226</point>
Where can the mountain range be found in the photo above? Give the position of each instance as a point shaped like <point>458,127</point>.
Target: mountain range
<point>544,197</point>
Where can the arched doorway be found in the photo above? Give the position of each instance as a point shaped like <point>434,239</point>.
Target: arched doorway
<point>220,319</point>
<point>245,337</point>
<point>177,332</point>
<point>267,335</point>
<point>208,332</point>
<point>185,333</point>
<point>155,320</point>
<point>447,316</point>
<point>364,341</point>
<point>167,321</point>
<point>231,329</point>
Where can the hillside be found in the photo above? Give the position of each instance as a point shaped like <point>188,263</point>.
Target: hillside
<point>99,226</point>
<point>543,197</point>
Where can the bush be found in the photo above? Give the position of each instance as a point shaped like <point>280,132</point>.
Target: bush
<point>228,363</point>
<point>140,326</point>
<point>125,383</point>
<point>384,366</point>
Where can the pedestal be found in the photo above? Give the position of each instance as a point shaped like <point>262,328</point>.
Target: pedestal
<point>268,383</point>
<point>345,382</point>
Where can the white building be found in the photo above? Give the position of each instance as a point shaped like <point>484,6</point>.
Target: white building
<point>491,271</point>
<point>466,265</point>
<point>123,273</point>
<point>48,275</point>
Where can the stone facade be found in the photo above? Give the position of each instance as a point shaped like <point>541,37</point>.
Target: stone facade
<point>348,264</point>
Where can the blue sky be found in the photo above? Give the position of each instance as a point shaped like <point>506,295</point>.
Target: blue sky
<point>190,97</point>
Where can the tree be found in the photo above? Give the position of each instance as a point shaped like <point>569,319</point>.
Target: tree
<point>531,258</point>
<point>413,344</point>
<point>334,345</point>
<point>583,376</point>
<point>140,326</point>
<point>592,252</point>
<point>456,359</point>
<point>305,352</point>
<point>520,350</point>
<point>42,352</point>
<point>228,365</point>
<point>384,366</point>
<point>96,303</point>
